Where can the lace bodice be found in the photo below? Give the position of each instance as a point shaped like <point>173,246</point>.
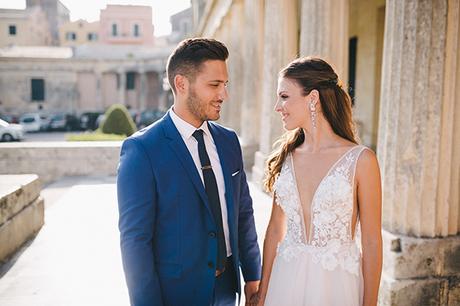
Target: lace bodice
<point>330,241</point>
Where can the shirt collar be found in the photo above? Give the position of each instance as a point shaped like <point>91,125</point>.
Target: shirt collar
<point>186,129</point>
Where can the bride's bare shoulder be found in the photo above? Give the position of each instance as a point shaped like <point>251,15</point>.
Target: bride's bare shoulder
<point>367,164</point>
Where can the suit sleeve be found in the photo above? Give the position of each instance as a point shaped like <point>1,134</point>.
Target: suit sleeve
<point>249,252</point>
<point>136,189</point>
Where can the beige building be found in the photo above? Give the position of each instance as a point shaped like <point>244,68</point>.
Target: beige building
<point>78,32</point>
<point>126,24</point>
<point>86,78</point>
<point>27,27</point>
<point>118,25</point>
<point>181,25</point>
<point>93,69</point>
<point>401,59</point>
<point>56,14</point>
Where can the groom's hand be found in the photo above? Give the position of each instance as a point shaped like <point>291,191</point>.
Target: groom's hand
<point>250,292</point>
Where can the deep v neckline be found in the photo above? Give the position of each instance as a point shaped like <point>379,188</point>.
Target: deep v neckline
<point>315,192</point>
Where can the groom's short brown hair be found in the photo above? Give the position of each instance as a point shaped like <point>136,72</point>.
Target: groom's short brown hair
<point>190,53</point>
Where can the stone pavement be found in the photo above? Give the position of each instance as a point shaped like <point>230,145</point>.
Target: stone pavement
<point>75,258</point>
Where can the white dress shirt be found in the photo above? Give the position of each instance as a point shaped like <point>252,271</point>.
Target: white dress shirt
<point>186,130</point>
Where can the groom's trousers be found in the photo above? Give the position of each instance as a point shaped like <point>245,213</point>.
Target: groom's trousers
<point>226,286</point>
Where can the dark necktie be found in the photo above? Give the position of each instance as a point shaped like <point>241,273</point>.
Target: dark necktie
<point>212,191</point>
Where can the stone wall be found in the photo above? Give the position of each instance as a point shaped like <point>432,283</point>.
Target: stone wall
<point>53,160</point>
<point>21,211</point>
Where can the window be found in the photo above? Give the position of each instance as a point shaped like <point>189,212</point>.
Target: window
<point>38,90</point>
<point>28,120</point>
<point>136,30</point>
<point>114,30</point>
<point>12,30</point>
<point>92,36</point>
<point>130,78</point>
<point>352,53</point>
<point>71,36</point>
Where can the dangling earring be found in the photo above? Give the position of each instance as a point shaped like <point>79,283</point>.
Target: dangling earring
<point>313,114</point>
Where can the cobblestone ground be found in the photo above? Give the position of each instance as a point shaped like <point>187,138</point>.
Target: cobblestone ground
<point>75,259</point>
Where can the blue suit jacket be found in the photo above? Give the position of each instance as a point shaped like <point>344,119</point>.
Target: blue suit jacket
<point>166,225</point>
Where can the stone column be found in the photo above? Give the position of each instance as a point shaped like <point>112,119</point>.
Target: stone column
<point>166,91</point>
<point>419,154</point>
<point>99,102</point>
<point>324,32</point>
<point>236,63</point>
<point>143,89</point>
<point>252,69</point>
<point>280,47</point>
<point>121,86</point>
<point>224,35</point>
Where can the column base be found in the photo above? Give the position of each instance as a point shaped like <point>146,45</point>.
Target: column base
<point>420,271</point>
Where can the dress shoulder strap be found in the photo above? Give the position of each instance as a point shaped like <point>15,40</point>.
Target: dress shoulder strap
<point>357,151</point>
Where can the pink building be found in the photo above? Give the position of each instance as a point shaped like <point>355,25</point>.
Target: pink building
<point>126,24</point>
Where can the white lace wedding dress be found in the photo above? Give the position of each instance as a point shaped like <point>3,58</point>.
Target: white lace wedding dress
<point>323,269</point>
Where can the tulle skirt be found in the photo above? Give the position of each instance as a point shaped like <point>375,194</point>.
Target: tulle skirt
<point>302,282</point>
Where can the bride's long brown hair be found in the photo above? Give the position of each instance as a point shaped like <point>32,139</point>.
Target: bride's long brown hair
<point>313,73</point>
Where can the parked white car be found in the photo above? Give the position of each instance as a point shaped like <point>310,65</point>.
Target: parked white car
<point>34,122</point>
<point>10,131</point>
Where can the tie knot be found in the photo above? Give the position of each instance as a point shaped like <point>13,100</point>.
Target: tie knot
<point>198,134</point>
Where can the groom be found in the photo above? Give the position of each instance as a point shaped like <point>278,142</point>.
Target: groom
<point>186,218</point>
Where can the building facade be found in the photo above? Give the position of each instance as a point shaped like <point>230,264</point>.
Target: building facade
<point>181,25</point>
<point>56,14</point>
<point>126,24</point>
<point>401,61</point>
<point>98,64</point>
<point>27,27</point>
<point>73,80</point>
<point>79,32</point>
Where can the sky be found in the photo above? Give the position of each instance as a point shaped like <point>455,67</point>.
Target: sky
<point>89,9</point>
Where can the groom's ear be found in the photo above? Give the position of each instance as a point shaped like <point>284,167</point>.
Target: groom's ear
<point>181,84</point>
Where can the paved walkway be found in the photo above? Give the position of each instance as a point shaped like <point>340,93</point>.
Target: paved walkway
<point>75,258</point>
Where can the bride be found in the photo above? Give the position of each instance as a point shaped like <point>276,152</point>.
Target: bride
<point>323,244</point>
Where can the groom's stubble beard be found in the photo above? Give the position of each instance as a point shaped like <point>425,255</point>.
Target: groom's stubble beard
<point>197,107</point>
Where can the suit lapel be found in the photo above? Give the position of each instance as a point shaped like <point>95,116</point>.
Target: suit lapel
<point>177,144</point>
<point>224,162</point>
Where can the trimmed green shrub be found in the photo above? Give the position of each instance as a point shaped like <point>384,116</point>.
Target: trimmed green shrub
<point>118,121</point>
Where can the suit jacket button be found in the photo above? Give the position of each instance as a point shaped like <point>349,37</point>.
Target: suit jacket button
<point>211,265</point>
<point>212,234</point>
